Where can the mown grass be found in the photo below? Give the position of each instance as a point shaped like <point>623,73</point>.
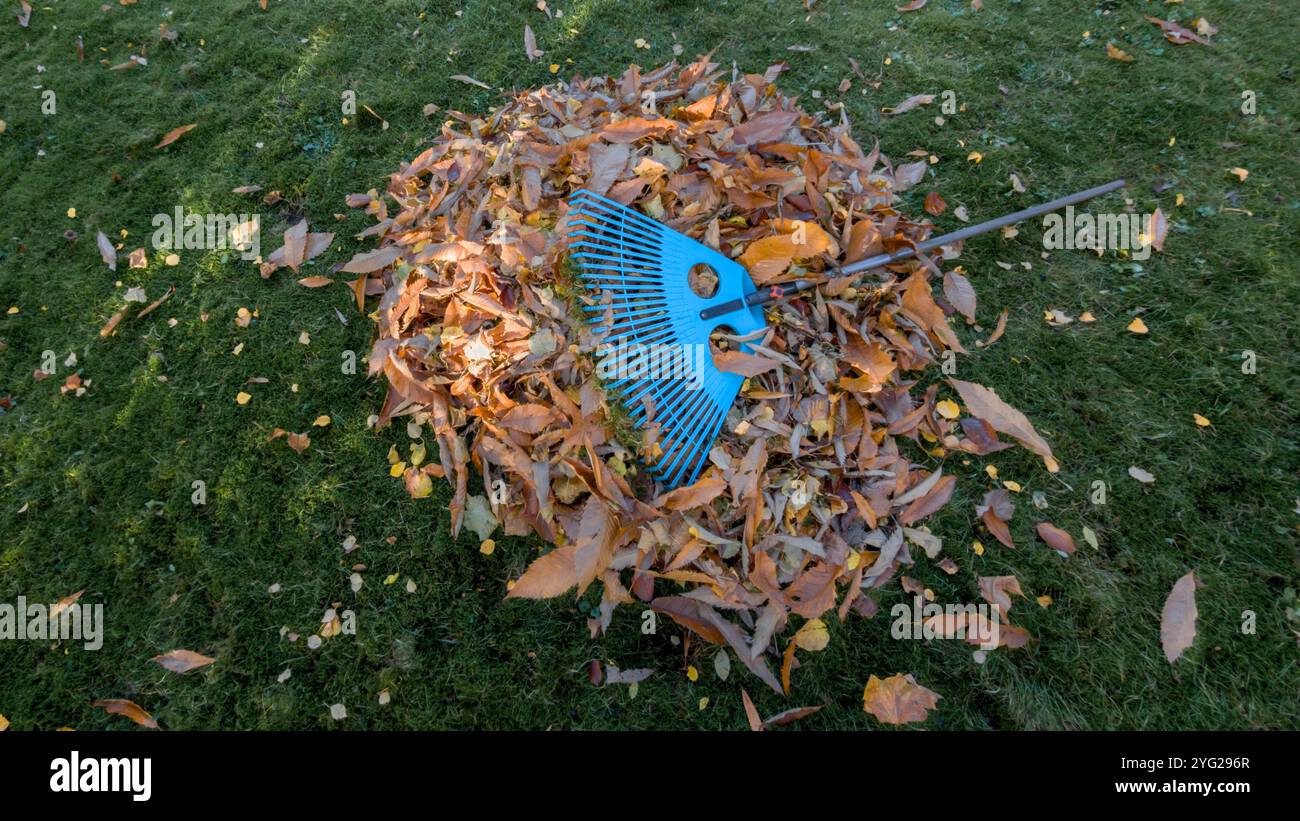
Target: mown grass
<point>105,480</point>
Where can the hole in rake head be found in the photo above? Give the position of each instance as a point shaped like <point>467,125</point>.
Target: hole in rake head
<point>703,280</point>
<point>718,343</point>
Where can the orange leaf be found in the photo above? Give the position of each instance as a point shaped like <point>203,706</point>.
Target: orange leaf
<point>751,712</point>
<point>182,661</point>
<point>685,498</point>
<point>1057,539</point>
<point>175,134</point>
<point>898,699</point>
<point>133,711</point>
<point>1116,53</point>
<point>548,576</point>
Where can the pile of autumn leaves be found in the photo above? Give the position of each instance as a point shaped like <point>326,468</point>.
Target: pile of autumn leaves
<point>831,459</point>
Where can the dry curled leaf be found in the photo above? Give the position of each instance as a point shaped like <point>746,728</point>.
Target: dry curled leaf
<point>182,661</point>
<point>984,403</point>
<point>910,103</point>
<point>462,78</point>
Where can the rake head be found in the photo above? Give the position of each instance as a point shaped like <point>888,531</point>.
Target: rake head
<point>654,349</point>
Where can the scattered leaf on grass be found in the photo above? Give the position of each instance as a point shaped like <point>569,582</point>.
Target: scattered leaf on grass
<point>174,135</point>
<point>1056,538</point>
<point>1116,53</point>
<point>182,661</point>
<point>934,203</point>
<point>1176,34</point>
<point>1178,618</point>
<point>462,78</point>
<point>1141,475</point>
<point>106,250</point>
<point>898,699</point>
<point>910,103</point>
<point>530,44</point>
<point>133,711</point>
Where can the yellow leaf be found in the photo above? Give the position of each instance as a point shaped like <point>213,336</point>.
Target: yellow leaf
<point>1044,601</point>
<point>975,157</point>
<point>4,723</point>
<point>1239,173</point>
<point>393,456</point>
<point>1200,420</point>
<point>992,471</point>
<point>397,469</point>
<point>692,673</point>
<point>978,547</point>
<point>704,702</point>
<point>1014,487</point>
<point>813,636</point>
<point>243,398</point>
<point>1116,53</point>
<point>1087,316</point>
<point>1178,200</point>
<point>1137,326</point>
<point>322,421</point>
<point>488,547</point>
<point>72,213</point>
<point>948,409</point>
<point>392,578</point>
<point>417,453</point>
<point>422,488</point>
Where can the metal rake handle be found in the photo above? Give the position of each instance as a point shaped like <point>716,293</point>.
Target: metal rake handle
<point>764,296</point>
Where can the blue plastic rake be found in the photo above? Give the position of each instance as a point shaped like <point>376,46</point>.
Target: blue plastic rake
<point>655,329</point>
<point>655,342</point>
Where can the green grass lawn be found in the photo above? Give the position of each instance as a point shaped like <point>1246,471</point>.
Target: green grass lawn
<point>95,491</point>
